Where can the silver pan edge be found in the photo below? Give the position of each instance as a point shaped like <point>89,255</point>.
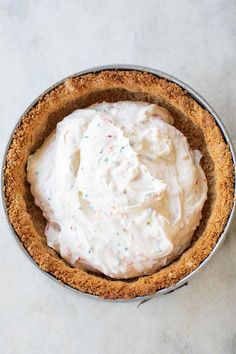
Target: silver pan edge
<point>203,103</point>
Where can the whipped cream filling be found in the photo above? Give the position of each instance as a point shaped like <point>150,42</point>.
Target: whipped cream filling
<point>120,188</point>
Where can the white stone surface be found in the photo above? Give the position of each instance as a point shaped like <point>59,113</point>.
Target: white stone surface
<point>40,43</point>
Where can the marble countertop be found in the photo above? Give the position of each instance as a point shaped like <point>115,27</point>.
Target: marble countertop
<point>44,41</point>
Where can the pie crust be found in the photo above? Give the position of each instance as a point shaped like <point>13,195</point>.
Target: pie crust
<point>197,124</point>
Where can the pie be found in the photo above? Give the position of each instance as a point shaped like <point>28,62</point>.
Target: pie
<point>197,125</point>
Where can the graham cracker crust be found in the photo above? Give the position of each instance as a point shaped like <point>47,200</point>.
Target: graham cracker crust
<point>191,119</point>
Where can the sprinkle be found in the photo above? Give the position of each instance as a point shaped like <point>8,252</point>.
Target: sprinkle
<point>124,191</point>
<point>150,210</point>
<point>122,147</point>
<point>86,136</point>
<point>49,198</point>
<point>109,136</point>
<point>106,159</point>
<point>89,251</point>
<point>117,233</point>
<point>100,152</point>
<point>98,125</point>
<point>78,259</point>
<point>126,248</point>
<point>151,195</point>
<point>37,172</point>
<point>86,195</point>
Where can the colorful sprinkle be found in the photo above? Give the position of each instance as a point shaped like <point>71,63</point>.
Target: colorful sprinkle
<point>106,159</point>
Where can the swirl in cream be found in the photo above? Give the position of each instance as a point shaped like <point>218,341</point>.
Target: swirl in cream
<point>120,188</point>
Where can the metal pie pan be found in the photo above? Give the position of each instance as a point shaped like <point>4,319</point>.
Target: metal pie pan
<point>203,103</point>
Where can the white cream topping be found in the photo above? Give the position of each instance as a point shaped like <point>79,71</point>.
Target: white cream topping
<point>120,188</point>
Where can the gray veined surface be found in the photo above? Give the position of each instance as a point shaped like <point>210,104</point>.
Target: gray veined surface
<point>42,41</point>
